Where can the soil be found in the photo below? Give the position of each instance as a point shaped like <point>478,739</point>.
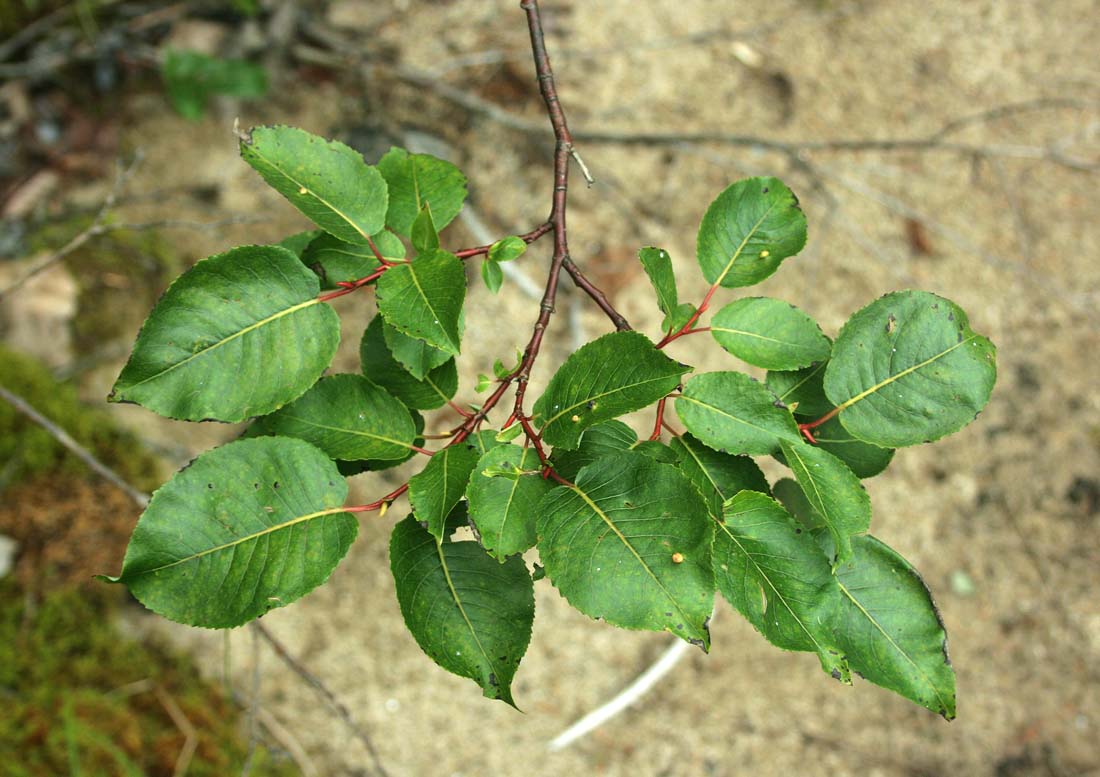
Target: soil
<point>1002,519</point>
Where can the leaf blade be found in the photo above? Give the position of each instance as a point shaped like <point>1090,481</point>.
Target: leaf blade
<point>445,589</point>
<point>731,412</point>
<point>630,543</point>
<point>183,551</point>
<point>423,299</point>
<point>503,510</point>
<point>326,180</point>
<point>748,230</point>
<point>908,369</point>
<point>769,333</point>
<point>204,352</point>
<point>610,376</point>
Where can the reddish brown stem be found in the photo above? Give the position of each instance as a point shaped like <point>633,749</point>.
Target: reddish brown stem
<point>527,238</point>
<point>349,287</point>
<point>660,419</point>
<point>381,503</point>
<point>807,428</point>
<point>686,329</point>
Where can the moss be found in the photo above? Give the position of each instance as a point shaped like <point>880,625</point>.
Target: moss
<point>75,693</point>
<point>27,451</point>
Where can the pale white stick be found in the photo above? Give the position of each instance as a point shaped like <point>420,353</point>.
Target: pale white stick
<point>636,690</point>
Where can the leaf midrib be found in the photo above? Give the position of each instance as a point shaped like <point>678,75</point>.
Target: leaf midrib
<point>720,411</point>
<point>893,378</point>
<point>623,539</point>
<point>594,397</point>
<point>458,603</point>
<point>744,242</point>
<point>895,645</point>
<point>230,338</point>
<point>309,191</point>
<point>764,576</point>
<point>241,540</point>
<point>428,303</point>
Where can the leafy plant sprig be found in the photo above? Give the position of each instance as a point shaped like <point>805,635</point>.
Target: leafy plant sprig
<point>638,533</point>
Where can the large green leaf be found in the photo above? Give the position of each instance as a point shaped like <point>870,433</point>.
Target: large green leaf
<point>748,230</point>
<point>888,627</point>
<point>381,367</point>
<point>239,334</point>
<point>336,261</point>
<point>250,526</point>
<point>596,442</point>
<point>416,180</point>
<point>908,369</point>
<point>733,413</point>
<point>414,355</point>
<point>833,490</point>
<point>437,488</point>
<point>423,299</point>
<point>630,543</point>
<point>613,375</point>
<point>801,390</point>
<point>503,509</point>
<point>769,333</point>
<point>470,614</point>
<point>775,574</point>
<point>298,242</point>
<point>862,458</point>
<point>717,475</point>
<point>347,417</point>
<point>326,180</point>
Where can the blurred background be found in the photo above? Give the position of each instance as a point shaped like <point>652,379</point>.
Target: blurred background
<point>953,147</point>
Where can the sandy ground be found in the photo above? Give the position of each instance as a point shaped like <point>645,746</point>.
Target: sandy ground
<point>1001,519</point>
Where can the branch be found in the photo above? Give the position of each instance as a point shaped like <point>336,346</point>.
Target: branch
<point>78,450</point>
<point>322,690</point>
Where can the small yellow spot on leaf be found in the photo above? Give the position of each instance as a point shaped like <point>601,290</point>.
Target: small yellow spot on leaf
<point>677,558</point>
<point>575,418</point>
<point>303,190</point>
<point>765,254</point>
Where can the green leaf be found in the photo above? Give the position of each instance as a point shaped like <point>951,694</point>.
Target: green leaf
<point>510,433</point>
<point>613,375</point>
<point>347,417</point>
<point>596,443</point>
<point>501,371</point>
<point>801,390</point>
<point>483,383</point>
<point>423,234</point>
<point>658,266</point>
<point>379,365</point>
<point>414,355</point>
<point>717,476</point>
<point>678,318</point>
<point>832,490</point>
<point>326,180</point>
<point>864,459</point>
<point>247,527</point>
<point>192,78</point>
<point>336,261</point>
<point>350,468</point>
<point>239,334</point>
<point>775,574</point>
<point>908,369</point>
<point>297,242</point>
<point>733,413</point>
<point>469,614</point>
<point>416,180</point>
<point>492,275</point>
<point>507,249</point>
<point>748,230</point>
<point>503,509</point>
<point>423,299</point>
<point>630,543</point>
<point>769,333</point>
<point>438,487</point>
<point>657,450</point>
<point>887,625</point>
